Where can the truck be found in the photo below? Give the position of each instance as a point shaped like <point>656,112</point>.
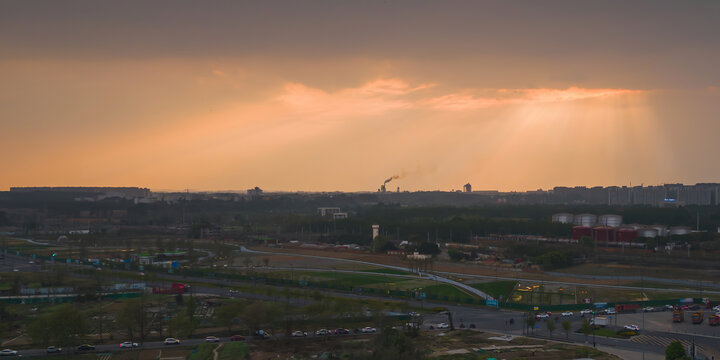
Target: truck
<point>697,317</point>
<point>678,316</point>
<point>600,321</point>
<point>175,288</point>
<point>622,308</point>
<point>714,320</point>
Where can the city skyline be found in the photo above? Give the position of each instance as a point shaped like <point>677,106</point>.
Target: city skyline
<point>325,96</point>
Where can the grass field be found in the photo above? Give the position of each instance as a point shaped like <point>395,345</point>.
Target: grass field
<point>234,351</point>
<point>497,289</point>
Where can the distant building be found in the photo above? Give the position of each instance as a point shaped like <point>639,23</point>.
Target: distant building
<point>123,192</point>
<point>376,231</point>
<point>322,211</point>
<point>467,188</point>
<point>255,192</point>
<point>340,216</point>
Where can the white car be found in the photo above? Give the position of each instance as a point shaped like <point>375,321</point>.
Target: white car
<point>321,332</point>
<point>542,316</point>
<point>631,327</point>
<point>412,313</point>
<point>171,341</point>
<point>586,311</point>
<point>299,334</point>
<point>567,313</point>
<point>368,330</point>
<point>716,308</point>
<point>610,311</point>
<point>648,309</point>
<point>129,344</point>
<point>8,352</point>
<point>443,326</point>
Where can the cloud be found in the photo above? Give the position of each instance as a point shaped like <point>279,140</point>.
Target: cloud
<point>468,101</point>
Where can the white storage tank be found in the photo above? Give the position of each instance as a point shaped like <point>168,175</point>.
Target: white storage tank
<point>610,220</point>
<point>679,230</point>
<point>563,218</point>
<point>585,220</point>
<point>647,233</point>
<point>634,226</point>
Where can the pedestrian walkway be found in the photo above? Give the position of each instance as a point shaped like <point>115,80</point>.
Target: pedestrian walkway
<point>104,356</point>
<point>662,341</point>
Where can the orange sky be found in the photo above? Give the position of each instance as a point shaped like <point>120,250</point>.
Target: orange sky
<point>123,103</point>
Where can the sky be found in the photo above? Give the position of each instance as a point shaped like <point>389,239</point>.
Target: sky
<point>340,95</point>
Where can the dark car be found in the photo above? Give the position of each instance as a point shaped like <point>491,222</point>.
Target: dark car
<point>237,338</point>
<point>85,347</point>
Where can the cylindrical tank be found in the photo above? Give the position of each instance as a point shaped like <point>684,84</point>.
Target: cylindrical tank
<point>580,231</point>
<point>585,219</point>
<point>661,229</point>
<point>563,218</point>
<point>633,226</point>
<point>679,230</point>
<point>610,220</point>
<point>604,233</point>
<point>648,233</point>
<point>626,234</point>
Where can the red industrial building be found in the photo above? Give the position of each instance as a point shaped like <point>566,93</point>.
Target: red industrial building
<point>580,231</point>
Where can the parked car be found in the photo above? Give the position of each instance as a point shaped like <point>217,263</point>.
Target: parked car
<point>586,311</point>
<point>299,334</point>
<point>631,327</point>
<point>567,313</point>
<point>610,311</point>
<point>368,329</point>
<point>341,331</point>
<point>412,313</point>
<point>171,341</point>
<point>129,344</point>
<point>85,347</point>
<point>211,339</point>
<point>321,332</point>
<point>53,349</point>
<point>542,316</point>
<point>8,352</point>
<point>237,338</point>
<point>443,326</point>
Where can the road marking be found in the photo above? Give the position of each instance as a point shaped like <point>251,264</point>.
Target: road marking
<point>661,341</point>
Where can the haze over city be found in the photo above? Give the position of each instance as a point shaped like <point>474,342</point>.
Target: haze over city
<point>324,95</point>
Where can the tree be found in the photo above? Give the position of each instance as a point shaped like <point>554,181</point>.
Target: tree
<point>67,324</point>
<point>181,325</point>
<point>255,316</point>
<point>227,315</point>
<point>675,351</point>
<point>586,328</point>
<point>62,327</point>
<point>531,322</point>
<point>567,326</point>
<point>39,330</point>
<point>379,243</point>
<point>391,344</point>
<point>550,326</point>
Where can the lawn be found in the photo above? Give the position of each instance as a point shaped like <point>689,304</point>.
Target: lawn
<point>202,352</point>
<point>234,351</point>
<point>446,292</point>
<point>389,271</point>
<point>497,289</point>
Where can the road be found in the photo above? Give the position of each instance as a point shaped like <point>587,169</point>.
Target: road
<point>491,320</point>
<point>434,277</point>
